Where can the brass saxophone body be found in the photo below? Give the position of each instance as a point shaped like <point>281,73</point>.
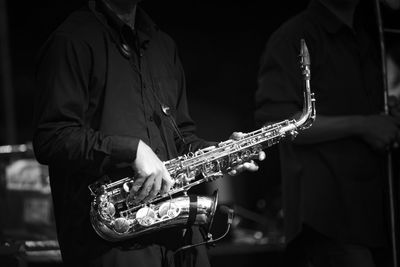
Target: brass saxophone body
<point>115,218</point>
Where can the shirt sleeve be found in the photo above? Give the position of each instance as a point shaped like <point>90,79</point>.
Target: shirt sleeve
<point>280,88</point>
<point>63,135</point>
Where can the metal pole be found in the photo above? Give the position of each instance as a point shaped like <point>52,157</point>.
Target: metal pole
<point>392,211</point>
<point>5,78</point>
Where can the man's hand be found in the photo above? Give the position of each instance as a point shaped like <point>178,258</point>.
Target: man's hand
<point>380,131</point>
<point>393,4</point>
<point>246,166</point>
<point>394,106</point>
<point>151,175</point>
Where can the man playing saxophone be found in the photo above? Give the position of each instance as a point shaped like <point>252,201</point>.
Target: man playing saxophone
<point>111,100</point>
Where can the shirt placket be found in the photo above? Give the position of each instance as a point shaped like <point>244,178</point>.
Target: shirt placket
<point>151,109</point>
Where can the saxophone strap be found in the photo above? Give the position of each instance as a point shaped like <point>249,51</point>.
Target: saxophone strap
<point>192,210</point>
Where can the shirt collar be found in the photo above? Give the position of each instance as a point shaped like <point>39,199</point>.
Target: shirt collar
<point>143,22</point>
<point>325,17</point>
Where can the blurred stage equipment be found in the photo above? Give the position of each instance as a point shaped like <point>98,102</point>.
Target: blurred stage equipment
<point>393,205</point>
<point>253,228</point>
<point>256,235</point>
<point>27,233</point>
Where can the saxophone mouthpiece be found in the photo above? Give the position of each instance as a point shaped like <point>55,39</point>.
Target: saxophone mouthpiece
<point>305,55</point>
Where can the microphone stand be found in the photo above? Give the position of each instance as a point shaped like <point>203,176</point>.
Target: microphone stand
<point>392,209</point>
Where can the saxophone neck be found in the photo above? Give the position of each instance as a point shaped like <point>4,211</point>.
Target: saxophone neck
<point>309,112</point>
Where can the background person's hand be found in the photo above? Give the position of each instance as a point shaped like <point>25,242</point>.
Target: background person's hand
<point>394,106</point>
<point>379,131</point>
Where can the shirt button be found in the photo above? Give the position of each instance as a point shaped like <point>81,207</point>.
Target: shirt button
<point>151,118</point>
<point>157,150</point>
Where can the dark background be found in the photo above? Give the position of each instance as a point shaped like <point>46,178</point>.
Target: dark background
<point>220,43</point>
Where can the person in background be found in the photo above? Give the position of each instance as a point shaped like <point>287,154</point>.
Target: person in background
<point>334,173</point>
<point>111,100</point>
<point>393,76</point>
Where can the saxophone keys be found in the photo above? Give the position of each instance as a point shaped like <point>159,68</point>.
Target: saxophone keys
<point>107,209</point>
<point>146,216</point>
<point>126,187</point>
<point>121,225</point>
<point>168,211</point>
<point>293,134</point>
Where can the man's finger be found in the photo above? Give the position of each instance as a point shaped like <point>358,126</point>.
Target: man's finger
<point>254,167</point>
<point>250,166</point>
<point>166,182</point>
<point>232,172</point>
<point>154,190</point>
<point>137,184</point>
<point>237,135</point>
<point>146,188</point>
<point>165,187</point>
<point>261,155</point>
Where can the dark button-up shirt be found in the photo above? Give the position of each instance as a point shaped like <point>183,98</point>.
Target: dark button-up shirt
<point>100,87</point>
<point>335,186</point>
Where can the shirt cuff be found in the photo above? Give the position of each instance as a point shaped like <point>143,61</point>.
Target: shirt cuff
<point>123,148</point>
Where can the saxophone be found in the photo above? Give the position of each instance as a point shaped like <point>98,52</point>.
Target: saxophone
<point>115,218</point>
